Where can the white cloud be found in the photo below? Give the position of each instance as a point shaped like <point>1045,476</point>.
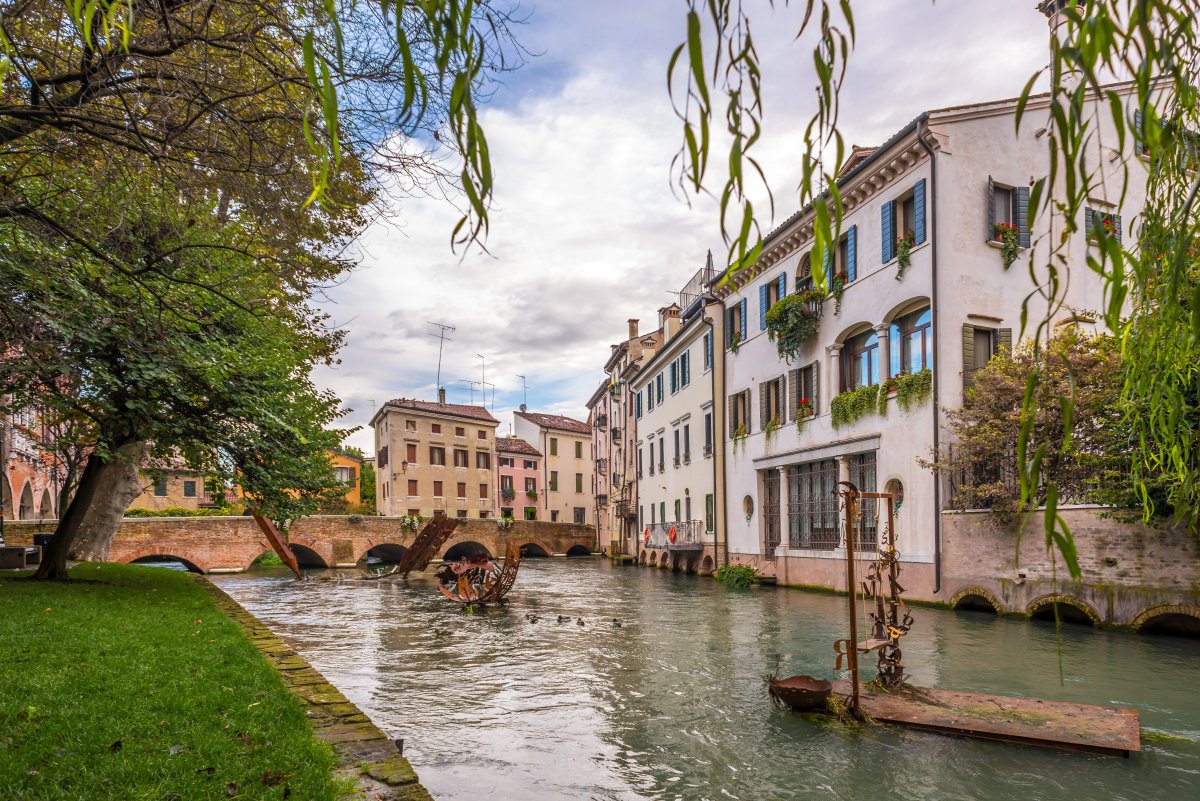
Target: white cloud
<point>585,231</point>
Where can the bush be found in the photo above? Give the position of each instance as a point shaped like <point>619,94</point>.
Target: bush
<point>791,323</point>
<point>737,575</point>
<point>183,511</point>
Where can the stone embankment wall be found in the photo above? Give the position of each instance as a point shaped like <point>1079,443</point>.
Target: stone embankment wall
<point>1133,573</point>
<point>230,544</point>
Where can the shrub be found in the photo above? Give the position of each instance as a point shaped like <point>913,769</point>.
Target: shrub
<point>792,321</point>
<point>183,511</point>
<point>737,575</point>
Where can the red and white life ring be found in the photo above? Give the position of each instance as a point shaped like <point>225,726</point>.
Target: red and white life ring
<point>646,535</point>
<point>671,535</point>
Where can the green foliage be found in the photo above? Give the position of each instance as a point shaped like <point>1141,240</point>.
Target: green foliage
<point>773,425</point>
<point>739,436</point>
<point>849,406</point>
<point>268,559</point>
<point>366,489</point>
<point>164,693</point>
<point>803,412</point>
<point>791,322</point>
<point>836,290</point>
<point>738,576</point>
<point>1010,242</point>
<point>913,388</point>
<point>735,341</point>
<point>182,511</point>
<point>531,494</point>
<point>904,246</point>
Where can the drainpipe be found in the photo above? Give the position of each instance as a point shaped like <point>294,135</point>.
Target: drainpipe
<point>717,476</point>
<point>719,433</point>
<point>922,133</point>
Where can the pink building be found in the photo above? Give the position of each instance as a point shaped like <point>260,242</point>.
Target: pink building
<point>519,478</point>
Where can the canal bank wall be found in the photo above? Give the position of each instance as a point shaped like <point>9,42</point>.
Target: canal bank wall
<point>365,754</point>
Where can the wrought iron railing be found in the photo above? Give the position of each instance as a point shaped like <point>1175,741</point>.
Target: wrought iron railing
<point>688,533</point>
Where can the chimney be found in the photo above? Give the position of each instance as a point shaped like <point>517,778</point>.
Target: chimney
<point>441,396</point>
<point>633,327</point>
<point>1053,11</point>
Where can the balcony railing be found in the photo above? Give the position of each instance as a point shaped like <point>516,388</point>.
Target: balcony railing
<point>602,465</point>
<point>601,421</point>
<point>675,461</point>
<point>707,450</point>
<point>625,510</point>
<point>602,499</point>
<point>689,535</point>
<point>616,432</point>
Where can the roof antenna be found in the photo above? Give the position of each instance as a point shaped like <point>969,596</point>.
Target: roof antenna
<point>441,335</point>
<point>524,393</point>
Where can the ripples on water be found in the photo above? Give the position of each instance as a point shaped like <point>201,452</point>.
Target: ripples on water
<point>672,704</point>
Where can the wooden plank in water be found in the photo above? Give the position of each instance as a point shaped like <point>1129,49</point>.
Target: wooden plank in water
<point>1031,721</point>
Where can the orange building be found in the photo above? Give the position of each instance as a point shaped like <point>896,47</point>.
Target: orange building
<point>349,474</point>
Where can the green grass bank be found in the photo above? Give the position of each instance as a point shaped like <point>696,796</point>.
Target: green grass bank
<point>128,682</point>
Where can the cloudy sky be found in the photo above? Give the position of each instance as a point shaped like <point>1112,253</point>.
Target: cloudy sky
<point>586,232</point>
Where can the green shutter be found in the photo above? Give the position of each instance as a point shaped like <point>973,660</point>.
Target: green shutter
<point>1020,200</point>
<point>991,211</point>
<point>968,346</point>
<point>762,405</point>
<point>793,393</point>
<point>1005,339</point>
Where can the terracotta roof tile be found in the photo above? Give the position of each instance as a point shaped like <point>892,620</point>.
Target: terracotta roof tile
<point>451,409</point>
<point>516,445</point>
<point>557,422</point>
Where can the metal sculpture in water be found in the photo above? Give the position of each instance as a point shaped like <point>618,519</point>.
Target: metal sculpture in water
<point>891,619</point>
<point>480,581</point>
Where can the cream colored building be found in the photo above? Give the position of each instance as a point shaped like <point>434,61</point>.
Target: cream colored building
<point>566,445</point>
<point>432,457</point>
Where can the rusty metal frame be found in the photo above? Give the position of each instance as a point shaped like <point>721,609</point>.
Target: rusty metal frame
<point>490,584</point>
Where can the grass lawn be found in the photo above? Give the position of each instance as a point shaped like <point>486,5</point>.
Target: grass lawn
<point>127,683</point>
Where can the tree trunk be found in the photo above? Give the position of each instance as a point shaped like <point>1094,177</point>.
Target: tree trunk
<point>72,519</point>
<point>118,485</point>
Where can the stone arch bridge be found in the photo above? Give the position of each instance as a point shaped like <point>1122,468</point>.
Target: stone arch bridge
<point>231,544</point>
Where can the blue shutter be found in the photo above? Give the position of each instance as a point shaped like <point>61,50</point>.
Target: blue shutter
<point>1021,218</point>
<point>728,326</point>
<point>886,213</point>
<point>742,333</point>
<point>762,308</point>
<point>674,376</point>
<point>919,212</point>
<point>685,366</point>
<point>828,267</point>
<point>852,253</point>
<point>782,286</point>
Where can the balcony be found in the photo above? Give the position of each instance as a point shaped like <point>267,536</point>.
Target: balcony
<point>708,450</point>
<point>602,465</point>
<point>689,535</point>
<point>625,510</point>
<point>616,432</point>
<point>675,462</point>
<point>687,457</point>
<point>602,499</point>
<point>601,422</point>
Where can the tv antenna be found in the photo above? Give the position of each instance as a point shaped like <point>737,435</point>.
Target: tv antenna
<point>483,382</point>
<point>524,393</point>
<point>441,336</point>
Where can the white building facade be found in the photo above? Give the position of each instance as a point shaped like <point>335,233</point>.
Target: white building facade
<point>947,179</point>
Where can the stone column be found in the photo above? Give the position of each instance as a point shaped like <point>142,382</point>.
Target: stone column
<point>835,373</point>
<point>784,513</point>
<point>843,465</point>
<point>885,354</point>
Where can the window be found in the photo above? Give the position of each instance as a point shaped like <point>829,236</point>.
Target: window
<point>770,402</point>
<point>739,413</point>
<point>437,455</point>
<point>861,357</point>
<point>662,455</point>
<point>637,404</point>
<point>482,433</point>
<point>577,514</point>
<point>843,258</point>
<point>506,482</point>
<point>461,513</point>
<point>658,387</point>
<point>677,510</point>
<point>710,512</point>
<point>769,294</point>
<point>410,425</point>
<point>1007,206</point>
<point>483,490</point>
<point>506,511</point>
<point>553,515</point>
<point>862,475</point>
<point>530,464</point>
<point>485,513</point>
<point>578,450</point>
<point>903,217</point>
<point>579,482</point>
<point>651,457</point>
<point>554,446</point>
<point>554,481</point>
<point>461,457</point>
<point>708,434</point>
<point>662,511</point>
<point>653,511</point>
<point>531,513</point>
<point>483,460</point>
<point>735,325</point>
<point>189,488</point>
<point>650,396</point>
<point>381,457</point>
<point>804,391</point>
<point>812,506</point>
<point>411,453</point>
<point>531,485</point>
<point>344,475</point>
<point>413,492</point>
<point>460,431</point>
<point>979,346</point>
<point>639,462</point>
<point>769,507</point>
<point>675,453</point>
<point>687,443</point>
<point>462,490</point>
<point>1096,221</point>
<point>437,428</point>
<point>685,368</point>
<point>160,487</point>
<point>437,489</point>
<point>415,512</point>
<point>708,352</point>
<point>507,461</point>
<point>674,372</point>
<point>911,343</point>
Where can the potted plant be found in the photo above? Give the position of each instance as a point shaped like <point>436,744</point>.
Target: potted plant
<point>1009,237</point>
<point>904,246</point>
<point>734,340</point>
<point>410,523</point>
<point>803,412</point>
<point>532,494</point>
<point>505,523</point>
<point>791,323</point>
<point>739,435</point>
<point>508,493</point>
<point>771,427</point>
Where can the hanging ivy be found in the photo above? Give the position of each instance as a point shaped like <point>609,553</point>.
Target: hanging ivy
<point>1009,237</point>
<point>913,389</point>
<point>904,246</point>
<point>849,406</point>
<point>793,321</point>
<point>836,288</point>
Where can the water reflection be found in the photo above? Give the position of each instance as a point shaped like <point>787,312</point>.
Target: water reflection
<point>672,704</point>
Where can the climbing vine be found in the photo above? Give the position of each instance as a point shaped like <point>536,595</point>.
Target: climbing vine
<point>793,321</point>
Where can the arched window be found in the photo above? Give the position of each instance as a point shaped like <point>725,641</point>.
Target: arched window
<point>861,357</point>
<point>910,341</point>
<point>804,280</point>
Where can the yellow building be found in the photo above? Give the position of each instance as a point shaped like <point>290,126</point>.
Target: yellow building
<point>349,473</point>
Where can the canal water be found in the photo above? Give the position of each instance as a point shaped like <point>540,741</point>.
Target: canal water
<point>671,704</point>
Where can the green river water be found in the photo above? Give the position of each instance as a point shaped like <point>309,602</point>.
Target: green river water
<point>672,703</point>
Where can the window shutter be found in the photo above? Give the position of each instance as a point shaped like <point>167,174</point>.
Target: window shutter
<point>353,474</point>
<point>762,308</point>
<point>709,345</point>
<point>919,211</point>
<point>1088,222</point>
<point>828,267</point>
<point>852,253</point>
<point>728,326</point>
<point>782,286</point>
<point>685,368</point>
<point>1021,213</point>
<point>886,213</point>
<point>746,405</point>
<point>762,404</point>
<point>968,345</point>
<point>1005,339</point>
<point>991,211</point>
<point>1120,233</point>
<point>793,393</point>
<point>1137,131</point>
<point>732,424</point>
<point>816,387</point>
<point>742,333</point>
